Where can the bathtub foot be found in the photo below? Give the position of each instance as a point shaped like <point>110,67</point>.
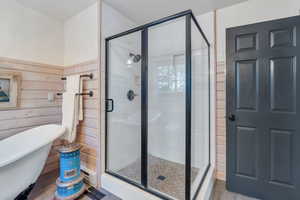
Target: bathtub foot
<point>24,195</point>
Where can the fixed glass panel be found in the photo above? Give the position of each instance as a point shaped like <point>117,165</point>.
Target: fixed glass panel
<point>166,108</point>
<point>200,108</point>
<point>124,92</point>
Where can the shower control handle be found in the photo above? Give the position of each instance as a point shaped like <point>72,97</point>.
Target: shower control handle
<point>109,105</point>
<point>131,95</point>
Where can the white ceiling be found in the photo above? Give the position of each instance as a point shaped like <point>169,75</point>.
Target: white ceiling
<point>59,9</point>
<point>142,11</point>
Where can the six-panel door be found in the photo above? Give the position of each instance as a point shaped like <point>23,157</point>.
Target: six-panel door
<point>263,113</point>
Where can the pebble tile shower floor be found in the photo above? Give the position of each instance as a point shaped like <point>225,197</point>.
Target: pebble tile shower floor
<point>164,176</point>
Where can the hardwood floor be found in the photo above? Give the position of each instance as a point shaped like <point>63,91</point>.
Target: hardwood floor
<point>220,193</point>
<point>45,189</point>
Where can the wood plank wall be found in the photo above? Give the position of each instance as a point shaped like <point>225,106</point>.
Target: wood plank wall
<point>221,121</point>
<point>35,109</point>
<point>88,128</point>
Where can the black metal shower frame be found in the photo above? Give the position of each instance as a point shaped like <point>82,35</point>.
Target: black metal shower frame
<point>144,103</point>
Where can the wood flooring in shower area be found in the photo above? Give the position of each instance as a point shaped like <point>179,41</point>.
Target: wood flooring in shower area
<point>164,176</point>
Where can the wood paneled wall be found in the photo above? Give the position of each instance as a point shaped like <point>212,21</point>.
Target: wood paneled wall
<point>88,128</point>
<point>34,108</point>
<point>221,121</point>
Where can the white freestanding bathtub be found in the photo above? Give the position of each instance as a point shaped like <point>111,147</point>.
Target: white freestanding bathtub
<point>22,158</point>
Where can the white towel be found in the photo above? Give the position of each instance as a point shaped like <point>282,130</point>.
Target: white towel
<point>72,109</point>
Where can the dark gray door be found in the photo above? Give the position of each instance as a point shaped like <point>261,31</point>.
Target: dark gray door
<point>263,109</point>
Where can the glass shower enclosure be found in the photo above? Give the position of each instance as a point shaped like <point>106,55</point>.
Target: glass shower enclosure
<point>158,106</point>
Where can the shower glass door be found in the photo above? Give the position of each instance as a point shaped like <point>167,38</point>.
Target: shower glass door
<point>158,105</point>
<point>166,108</point>
<point>123,116</point>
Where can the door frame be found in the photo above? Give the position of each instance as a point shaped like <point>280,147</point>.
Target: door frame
<point>189,17</point>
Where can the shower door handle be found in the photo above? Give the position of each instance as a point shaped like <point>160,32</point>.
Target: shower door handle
<point>109,105</point>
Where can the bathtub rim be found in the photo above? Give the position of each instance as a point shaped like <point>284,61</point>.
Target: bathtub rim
<point>12,149</point>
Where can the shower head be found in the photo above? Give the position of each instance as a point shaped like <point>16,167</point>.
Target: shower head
<point>133,58</point>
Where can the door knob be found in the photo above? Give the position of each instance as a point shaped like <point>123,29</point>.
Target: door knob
<point>231,117</point>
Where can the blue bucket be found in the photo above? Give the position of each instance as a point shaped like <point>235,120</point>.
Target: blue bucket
<point>69,190</point>
<point>69,163</point>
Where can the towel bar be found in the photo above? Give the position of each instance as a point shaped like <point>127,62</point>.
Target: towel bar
<point>90,93</point>
<point>91,76</point>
